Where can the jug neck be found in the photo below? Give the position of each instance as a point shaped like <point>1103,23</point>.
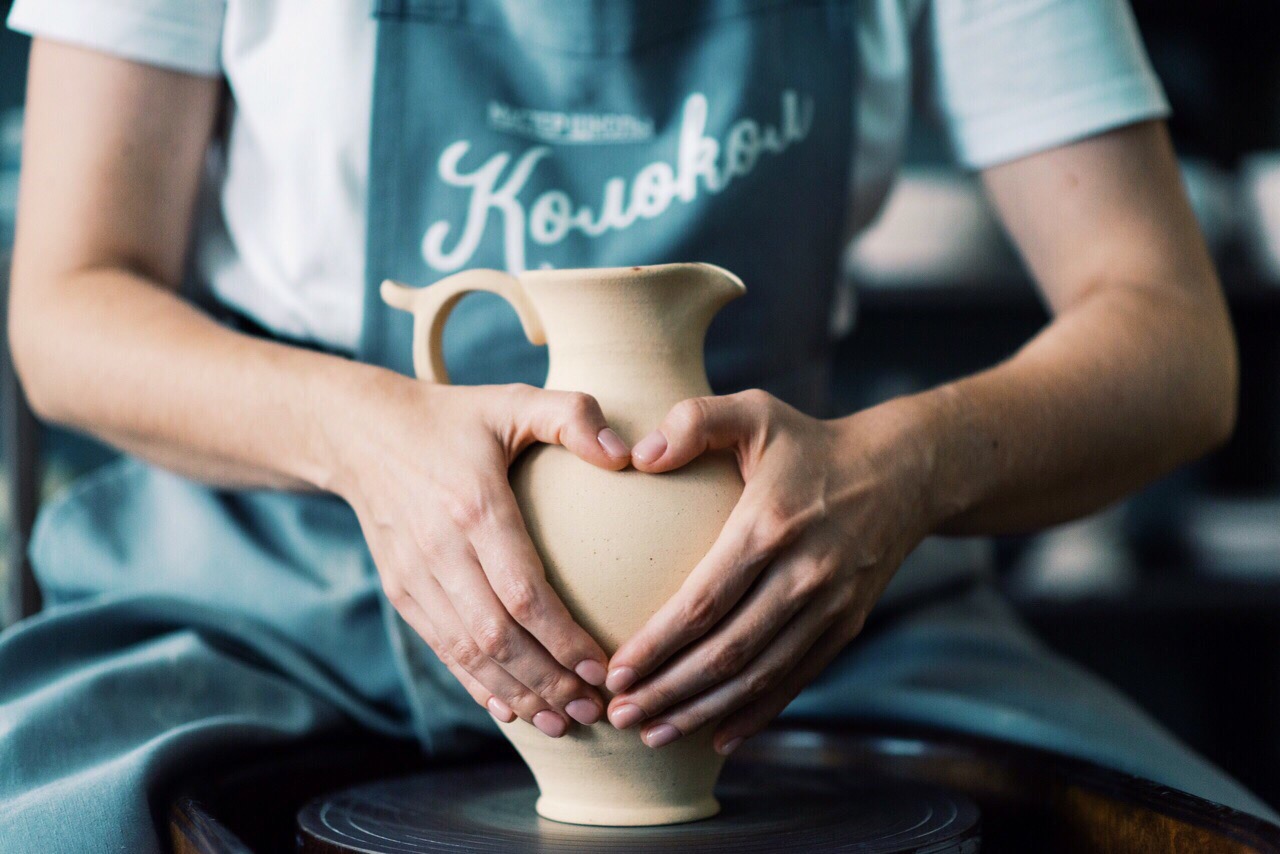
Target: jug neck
<point>633,336</point>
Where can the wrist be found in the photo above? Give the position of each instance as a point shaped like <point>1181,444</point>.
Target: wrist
<point>912,440</point>
<point>945,430</point>
<point>345,401</point>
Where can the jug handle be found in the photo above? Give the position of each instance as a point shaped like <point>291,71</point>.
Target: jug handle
<point>430,307</point>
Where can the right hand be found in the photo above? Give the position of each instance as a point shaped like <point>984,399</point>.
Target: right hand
<point>425,468</point>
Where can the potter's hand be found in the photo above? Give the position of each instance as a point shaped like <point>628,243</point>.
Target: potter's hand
<point>829,511</point>
<point>425,468</point>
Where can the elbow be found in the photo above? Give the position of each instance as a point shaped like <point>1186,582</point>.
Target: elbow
<point>45,405</point>
<point>1218,424</point>
<point>1221,420</point>
<point>1217,408</point>
<point>31,340</point>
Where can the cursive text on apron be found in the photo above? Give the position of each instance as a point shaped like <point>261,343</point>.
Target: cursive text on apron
<point>702,163</point>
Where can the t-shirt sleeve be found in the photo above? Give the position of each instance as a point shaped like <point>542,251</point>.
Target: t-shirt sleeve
<point>183,35</point>
<point>1013,77</point>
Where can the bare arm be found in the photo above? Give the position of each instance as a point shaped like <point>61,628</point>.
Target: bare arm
<point>1135,375</point>
<point>1137,372</point>
<point>112,158</point>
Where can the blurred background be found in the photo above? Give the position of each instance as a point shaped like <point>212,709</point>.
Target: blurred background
<point>1174,595</point>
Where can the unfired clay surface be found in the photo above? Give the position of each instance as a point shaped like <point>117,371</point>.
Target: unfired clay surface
<point>616,545</point>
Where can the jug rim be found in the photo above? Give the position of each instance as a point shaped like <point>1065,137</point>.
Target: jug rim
<point>647,271</point>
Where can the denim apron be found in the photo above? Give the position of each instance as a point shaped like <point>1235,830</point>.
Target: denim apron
<point>524,134</point>
<point>184,622</point>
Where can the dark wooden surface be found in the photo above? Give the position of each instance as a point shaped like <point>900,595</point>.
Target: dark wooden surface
<point>248,804</point>
<point>1030,800</point>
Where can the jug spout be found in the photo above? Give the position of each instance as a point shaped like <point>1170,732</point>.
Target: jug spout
<point>719,285</point>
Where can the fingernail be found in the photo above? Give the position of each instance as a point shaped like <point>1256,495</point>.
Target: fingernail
<point>583,711</point>
<point>592,672</point>
<point>661,735</point>
<point>650,447</point>
<point>550,723</point>
<point>625,716</point>
<point>620,679</point>
<point>612,443</point>
<point>500,710</point>
<point>730,746</point>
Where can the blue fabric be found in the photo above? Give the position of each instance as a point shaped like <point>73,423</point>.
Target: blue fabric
<point>180,623</point>
<point>587,134</point>
<point>590,134</point>
<point>184,622</point>
<point>968,664</point>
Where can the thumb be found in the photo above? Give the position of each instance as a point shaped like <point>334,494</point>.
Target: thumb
<point>701,424</point>
<point>571,419</point>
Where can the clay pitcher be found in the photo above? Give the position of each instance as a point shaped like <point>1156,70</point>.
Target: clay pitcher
<point>616,545</point>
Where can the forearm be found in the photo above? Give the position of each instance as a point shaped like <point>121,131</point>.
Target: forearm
<point>1117,391</point>
<point>112,354</point>
<point>99,337</point>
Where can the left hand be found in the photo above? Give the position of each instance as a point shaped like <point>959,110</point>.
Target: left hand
<point>829,511</point>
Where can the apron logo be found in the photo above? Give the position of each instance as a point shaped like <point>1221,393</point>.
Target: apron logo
<point>702,163</point>
<point>553,126</point>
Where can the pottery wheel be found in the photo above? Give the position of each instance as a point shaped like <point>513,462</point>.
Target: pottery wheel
<point>765,806</point>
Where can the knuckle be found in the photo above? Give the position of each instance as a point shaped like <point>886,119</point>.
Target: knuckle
<point>465,653</point>
<point>468,508</point>
<point>726,659</point>
<point>808,583</point>
<point>757,682</point>
<point>775,526</point>
<point>496,640</point>
<point>396,594</point>
<point>523,702</point>
<point>521,599</point>
<point>700,614</point>
<point>580,406</point>
<point>837,603</point>
<point>689,415</point>
<point>552,685</point>
<point>756,398</point>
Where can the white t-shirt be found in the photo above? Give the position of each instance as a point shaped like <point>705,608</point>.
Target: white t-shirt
<point>285,244</point>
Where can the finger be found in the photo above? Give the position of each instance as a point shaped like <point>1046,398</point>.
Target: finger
<point>567,418</point>
<point>761,677</point>
<point>458,645</point>
<point>724,653</point>
<point>416,617</point>
<point>413,614</point>
<point>754,716</point>
<point>501,639</point>
<point>700,424</point>
<point>515,573</point>
<point>498,694</point>
<point>750,539</point>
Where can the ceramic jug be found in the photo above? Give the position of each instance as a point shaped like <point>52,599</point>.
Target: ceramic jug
<point>615,545</point>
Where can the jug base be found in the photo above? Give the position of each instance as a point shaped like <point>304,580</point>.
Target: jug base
<point>604,815</point>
